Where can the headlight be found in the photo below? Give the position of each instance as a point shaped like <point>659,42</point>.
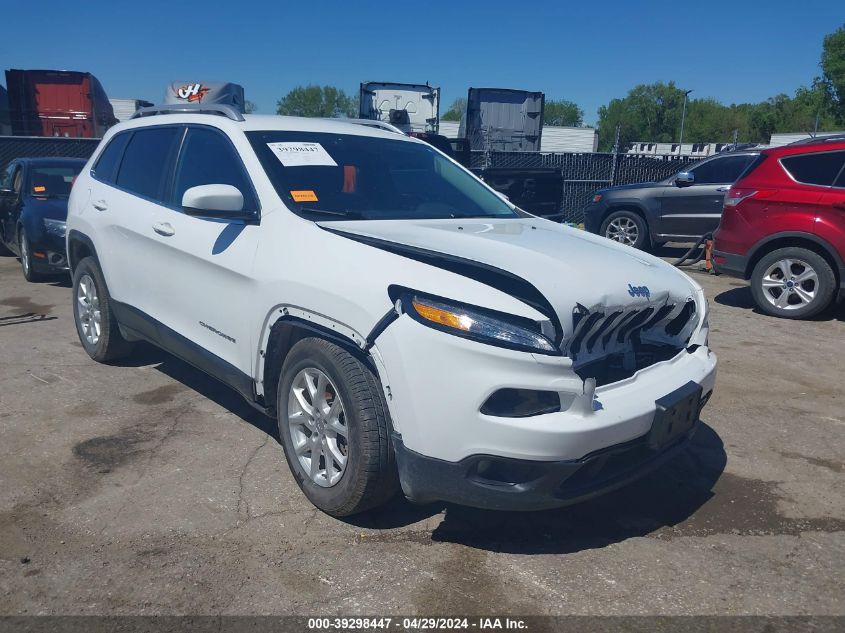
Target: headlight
<point>55,227</point>
<point>480,324</point>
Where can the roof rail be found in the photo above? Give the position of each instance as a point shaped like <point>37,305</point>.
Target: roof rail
<point>373,123</point>
<point>220,109</point>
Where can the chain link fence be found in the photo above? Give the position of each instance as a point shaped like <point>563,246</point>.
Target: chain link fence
<point>12,147</point>
<point>583,174</point>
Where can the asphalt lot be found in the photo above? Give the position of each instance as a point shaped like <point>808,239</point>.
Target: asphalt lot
<point>147,488</point>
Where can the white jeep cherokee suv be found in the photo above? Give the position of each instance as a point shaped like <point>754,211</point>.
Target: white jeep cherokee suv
<point>405,324</point>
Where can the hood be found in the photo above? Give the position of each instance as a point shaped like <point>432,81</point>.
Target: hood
<point>569,267</point>
<point>54,208</point>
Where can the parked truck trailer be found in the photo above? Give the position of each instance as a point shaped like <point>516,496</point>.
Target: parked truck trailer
<point>57,103</point>
<point>410,107</point>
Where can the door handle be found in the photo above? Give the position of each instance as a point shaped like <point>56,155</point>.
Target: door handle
<point>100,205</point>
<point>164,228</point>
<point>722,189</point>
<point>838,205</point>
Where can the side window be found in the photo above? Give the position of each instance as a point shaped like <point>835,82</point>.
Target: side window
<point>109,160</point>
<point>145,166</point>
<point>814,169</point>
<point>720,171</point>
<point>208,158</point>
<point>840,182</point>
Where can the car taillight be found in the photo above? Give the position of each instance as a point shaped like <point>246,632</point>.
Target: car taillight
<point>735,195</point>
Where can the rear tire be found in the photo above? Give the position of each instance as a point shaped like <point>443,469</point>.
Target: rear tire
<point>793,283</point>
<point>331,409</point>
<point>26,259</point>
<point>626,227</point>
<point>92,313</point>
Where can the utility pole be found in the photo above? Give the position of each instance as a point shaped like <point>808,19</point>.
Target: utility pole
<point>683,117</point>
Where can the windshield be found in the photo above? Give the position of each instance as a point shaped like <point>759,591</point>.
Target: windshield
<point>343,176</point>
<point>53,182</point>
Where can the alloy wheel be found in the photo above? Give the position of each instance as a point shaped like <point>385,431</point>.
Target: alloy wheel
<point>317,426</point>
<point>790,284</point>
<point>623,230</point>
<point>88,309</point>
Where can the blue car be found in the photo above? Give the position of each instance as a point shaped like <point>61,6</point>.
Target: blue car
<point>33,209</point>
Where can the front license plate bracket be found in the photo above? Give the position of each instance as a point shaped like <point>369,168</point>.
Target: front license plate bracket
<point>677,412</point>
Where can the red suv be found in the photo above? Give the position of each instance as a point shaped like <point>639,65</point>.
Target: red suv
<point>783,227</point>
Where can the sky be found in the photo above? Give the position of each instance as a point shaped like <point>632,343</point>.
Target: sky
<point>735,52</point>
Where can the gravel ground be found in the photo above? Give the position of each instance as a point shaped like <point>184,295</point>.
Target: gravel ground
<point>147,488</point>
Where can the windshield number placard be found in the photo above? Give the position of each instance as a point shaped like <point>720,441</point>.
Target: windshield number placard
<point>300,154</point>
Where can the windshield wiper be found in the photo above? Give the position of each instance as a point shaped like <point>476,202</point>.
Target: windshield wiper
<point>344,213</point>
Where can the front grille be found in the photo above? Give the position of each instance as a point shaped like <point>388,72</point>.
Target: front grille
<point>621,332</point>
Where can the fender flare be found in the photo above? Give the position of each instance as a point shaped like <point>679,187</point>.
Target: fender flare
<point>760,246</point>
<point>79,237</point>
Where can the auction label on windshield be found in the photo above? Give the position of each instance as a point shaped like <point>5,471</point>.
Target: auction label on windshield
<point>303,196</point>
<point>300,154</point>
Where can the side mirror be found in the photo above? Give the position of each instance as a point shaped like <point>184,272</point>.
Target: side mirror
<point>215,201</point>
<point>684,179</point>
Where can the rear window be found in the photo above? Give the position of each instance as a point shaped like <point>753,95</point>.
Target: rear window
<point>815,169</point>
<point>146,161</point>
<point>54,181</point>
<point>345,176</point>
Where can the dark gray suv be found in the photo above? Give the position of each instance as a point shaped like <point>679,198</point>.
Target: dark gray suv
<point>681,208</point>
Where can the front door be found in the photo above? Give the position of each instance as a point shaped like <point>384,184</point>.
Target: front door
<point>693,210</point>
<point>10,203</point>
<point>203,266</point>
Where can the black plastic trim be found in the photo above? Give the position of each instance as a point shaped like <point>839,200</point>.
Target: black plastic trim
<point>147,328</point>
<point>811,237</point>
<point>486,274</point>
<point>540,485</point>
<point>380,327</point>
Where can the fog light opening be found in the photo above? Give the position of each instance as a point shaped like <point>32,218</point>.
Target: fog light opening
<point>521,403</point>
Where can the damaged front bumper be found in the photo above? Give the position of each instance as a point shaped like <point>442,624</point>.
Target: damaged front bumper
<point>439,384</point>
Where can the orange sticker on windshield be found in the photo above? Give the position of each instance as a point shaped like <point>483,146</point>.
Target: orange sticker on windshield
<point>304,196</point>
<point>39,189</point>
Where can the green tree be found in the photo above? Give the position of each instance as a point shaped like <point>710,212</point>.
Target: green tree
<point>562,112</point>
<point>317,101</point>
<point>456,110</point>
<point>833,69</point>
<point>649,112</point>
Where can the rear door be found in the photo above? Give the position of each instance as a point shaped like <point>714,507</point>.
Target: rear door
<point>202,267</point>
<point>826,169</point>
<point>694,210</point>
<point>128,185</point>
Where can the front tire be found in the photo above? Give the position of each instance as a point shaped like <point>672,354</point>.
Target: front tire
<point>626,227</point>
<point>25,250</point>
<point>92,312</point>
<point>793,283</point>
<point>335,429</point>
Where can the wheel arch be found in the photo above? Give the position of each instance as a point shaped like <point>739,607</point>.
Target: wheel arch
<point>79,246</point>
<point>633,207</point>
<point>798,239</point>
<point>290,326</point>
